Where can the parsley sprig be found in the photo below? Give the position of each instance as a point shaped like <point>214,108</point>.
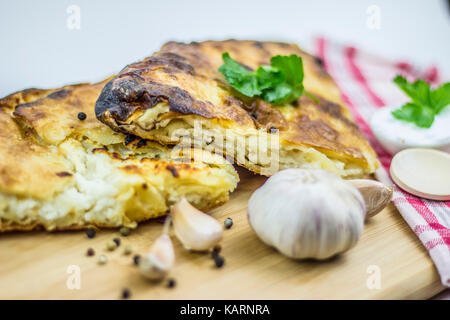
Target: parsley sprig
<point>279,83</point>
<point>426,103</point>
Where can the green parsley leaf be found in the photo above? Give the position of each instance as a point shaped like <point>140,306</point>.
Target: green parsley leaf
<point>422,117</point>
<point>440,98</point>
<point>418,91</point>
<point>279,83</point>
<point>239,77</point>
<point>292,66</point>
<point>426,103</point>
<point>268,77</point>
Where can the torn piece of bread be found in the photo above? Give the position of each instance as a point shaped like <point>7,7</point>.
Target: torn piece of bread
<point>167,96</point>
<point>59,172</point>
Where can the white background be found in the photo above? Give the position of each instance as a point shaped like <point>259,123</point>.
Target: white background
<point>38,50</point>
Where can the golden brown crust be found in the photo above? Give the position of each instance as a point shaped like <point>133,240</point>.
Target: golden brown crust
<point>9,102</point>
<point>186,77</point>
<point>54,116</point>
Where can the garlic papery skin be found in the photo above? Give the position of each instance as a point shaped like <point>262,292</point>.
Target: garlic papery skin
<point>375,194</point>
<point>196,230</point>
<point>307,213</point>
<point>157,263</point>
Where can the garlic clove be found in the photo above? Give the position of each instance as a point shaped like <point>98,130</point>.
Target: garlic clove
<point>376,195</point>
<point>196,230</point>
<point>159,260</point>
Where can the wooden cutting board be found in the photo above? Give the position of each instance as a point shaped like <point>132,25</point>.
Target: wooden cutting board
<point>34,265</point>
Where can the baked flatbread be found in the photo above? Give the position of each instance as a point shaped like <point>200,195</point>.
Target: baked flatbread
<point>167,96</point>
<point>59,172</point>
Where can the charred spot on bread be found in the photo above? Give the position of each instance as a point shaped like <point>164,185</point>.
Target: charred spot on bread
<point>63,174</point>
<point>173,171</point>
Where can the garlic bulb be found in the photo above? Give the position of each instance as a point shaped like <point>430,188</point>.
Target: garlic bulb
<point>307,213</point>
<point>161,257</point>
<point>196,230</point>
<point>375,194</point>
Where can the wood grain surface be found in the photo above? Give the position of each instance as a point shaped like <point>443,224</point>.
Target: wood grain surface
<point>34,265</point>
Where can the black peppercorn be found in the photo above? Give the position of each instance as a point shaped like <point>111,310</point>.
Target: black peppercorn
<point>216,250</point>
<point>126,293</point>
<point>81,116</point>
<point>117,241</point>
<point>228,223</point>
<point>90,252</point>
<point>136,259</point>
<point>319,61</point>
<point>254,116</point>
<point>90,233</point>
<point>219,261</point>
<point>171,283</point>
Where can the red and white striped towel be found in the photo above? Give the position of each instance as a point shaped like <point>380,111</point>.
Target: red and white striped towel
<point>366,84</point>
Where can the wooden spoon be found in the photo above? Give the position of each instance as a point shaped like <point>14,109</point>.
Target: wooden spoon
<point>422,172</point>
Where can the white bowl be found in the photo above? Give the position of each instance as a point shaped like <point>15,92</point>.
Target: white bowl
<point>396,135</point>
